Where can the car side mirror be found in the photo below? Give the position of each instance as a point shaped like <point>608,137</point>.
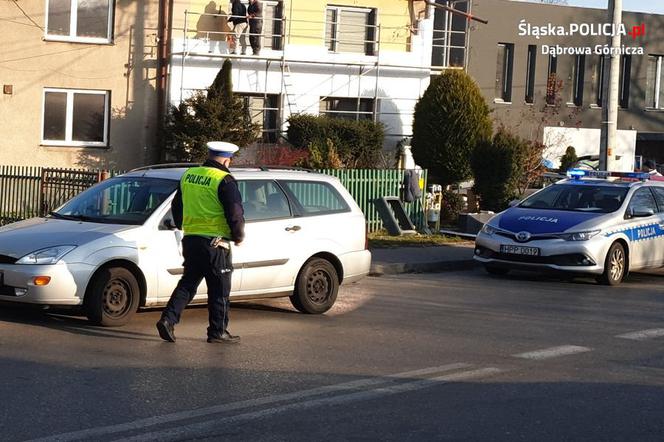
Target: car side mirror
<point>640,212</point>
<point>514,203</point>
<point>168,224</point>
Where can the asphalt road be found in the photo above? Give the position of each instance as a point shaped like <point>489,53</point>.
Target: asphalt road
<point>459,356</point>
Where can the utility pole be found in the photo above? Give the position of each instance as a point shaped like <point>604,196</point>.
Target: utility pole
<point>610,88</point>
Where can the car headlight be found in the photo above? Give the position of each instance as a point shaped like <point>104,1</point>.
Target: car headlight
<point>489,230</point>
<point>579,236</point>
<point>50,255</point>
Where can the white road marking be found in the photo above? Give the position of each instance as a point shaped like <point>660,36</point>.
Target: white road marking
<point>142,424</point>
<point>552,352</point>
<point>643,334</point>
<point>205,427</point>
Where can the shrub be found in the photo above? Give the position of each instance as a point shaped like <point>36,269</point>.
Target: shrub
<point>450,120</point>
<point>280,156</point>
<point>568,159</point>
<point>357,144</point>
<point>452,205</point>
<point>214,115</point>
<point>504,168</point>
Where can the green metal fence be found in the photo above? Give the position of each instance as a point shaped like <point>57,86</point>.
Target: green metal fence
<point>19,193</point>
<point>367,185</point>
<point>26,192</point>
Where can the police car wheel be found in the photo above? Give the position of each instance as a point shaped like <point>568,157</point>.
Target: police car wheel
<point>498,271</point>
<point>615,265</point>
<point>316,287</point>
<point>112,297</point>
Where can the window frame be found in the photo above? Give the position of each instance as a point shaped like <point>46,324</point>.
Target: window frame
<point>296,208</point>
<point>69,118</point>
<point>291,206</point>
<point>359,114</point>
<point>531,69</point>
<point>507,73</point>
<point>551,93</point>
<point>334,36</point>
<point>656,106</point>
<point>268,135</point>
<point>624,81</point>
<point>577,78</point>
<point>73,27</point>
<point>598,83</point>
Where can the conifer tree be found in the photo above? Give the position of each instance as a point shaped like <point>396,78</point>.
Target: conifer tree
<point>214,115</point>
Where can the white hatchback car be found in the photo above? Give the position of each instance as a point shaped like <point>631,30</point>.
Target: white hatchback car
<point>114,247</point>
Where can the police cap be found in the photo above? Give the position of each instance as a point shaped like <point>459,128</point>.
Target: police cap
<point>222,148</point>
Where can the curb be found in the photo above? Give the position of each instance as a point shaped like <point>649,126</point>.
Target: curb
<point>421,267</point>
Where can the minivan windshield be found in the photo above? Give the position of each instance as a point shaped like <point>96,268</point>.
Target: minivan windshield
<point>578,197</point>
<point>121,200</point>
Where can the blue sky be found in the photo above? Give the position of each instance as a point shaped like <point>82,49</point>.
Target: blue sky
<point>653,6</point>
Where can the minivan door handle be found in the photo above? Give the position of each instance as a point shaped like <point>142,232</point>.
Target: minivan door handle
<point>293,228</point>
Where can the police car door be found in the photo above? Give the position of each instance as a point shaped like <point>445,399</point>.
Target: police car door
<point>265,254</point>
<point>642,227</point>
<point>659,197</point>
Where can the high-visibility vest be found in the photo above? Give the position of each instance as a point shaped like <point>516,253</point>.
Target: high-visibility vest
<point>203,213</point>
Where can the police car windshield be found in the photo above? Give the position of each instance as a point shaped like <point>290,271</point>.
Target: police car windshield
<point>121,200</point>
<point>578,197</point>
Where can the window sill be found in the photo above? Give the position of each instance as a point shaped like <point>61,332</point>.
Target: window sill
<point>80,40</point>
<point>594,106</point>
<point>499,101</point>
<point>653,110</point>
<point>574,106</point>
<point>67,144</point>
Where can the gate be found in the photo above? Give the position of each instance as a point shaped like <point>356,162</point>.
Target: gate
<point>59,185</point>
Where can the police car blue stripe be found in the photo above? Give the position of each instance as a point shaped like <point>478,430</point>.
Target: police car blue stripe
<point>639,233</point>
<point>539,221</point>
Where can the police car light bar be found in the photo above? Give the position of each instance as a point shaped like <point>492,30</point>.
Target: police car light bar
<point>577,174</point>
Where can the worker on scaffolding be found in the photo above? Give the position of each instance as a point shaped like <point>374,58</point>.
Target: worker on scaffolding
<point>238,22</point>
<point>255,11</point>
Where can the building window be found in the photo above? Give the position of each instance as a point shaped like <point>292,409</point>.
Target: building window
<point>504,65</point>
<point>349,29</point>
<point>449,35</point>
<point>351,108</point>
<point>263,110</point>
<point>552,81</point>
<point>273,24</point>
<point>625,76</point>
<point>75,117</point>
<point>79,20</point>
<point>598,82</point>
<point>530,73</point>
<point>576,78</point>
<point>654,84</point>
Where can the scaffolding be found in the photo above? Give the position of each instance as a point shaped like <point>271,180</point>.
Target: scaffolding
<point>368,63</point>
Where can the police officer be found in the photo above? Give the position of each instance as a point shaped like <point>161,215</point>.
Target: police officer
<point>208,207</point>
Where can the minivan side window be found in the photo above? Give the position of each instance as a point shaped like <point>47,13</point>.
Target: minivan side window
<point>263,200</point>
<point>315,197</point>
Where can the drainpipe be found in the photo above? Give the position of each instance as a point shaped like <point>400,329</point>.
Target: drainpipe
<point>163,52</point>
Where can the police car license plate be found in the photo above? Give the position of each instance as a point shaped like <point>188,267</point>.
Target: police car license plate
<point>519,250</point>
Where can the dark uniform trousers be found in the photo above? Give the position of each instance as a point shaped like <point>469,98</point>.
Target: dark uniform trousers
<point>255,31</point>
<point>201,260</point>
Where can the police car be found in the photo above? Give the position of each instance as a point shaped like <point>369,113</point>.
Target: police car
<point>600,223</point>
<point>115,247</point>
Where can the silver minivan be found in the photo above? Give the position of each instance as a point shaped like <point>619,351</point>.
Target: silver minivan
<point>114,248</point>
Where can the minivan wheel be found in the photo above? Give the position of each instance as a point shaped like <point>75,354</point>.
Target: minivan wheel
<point>112,297</point>
<point>316,287</point>
<point>615,265</point>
